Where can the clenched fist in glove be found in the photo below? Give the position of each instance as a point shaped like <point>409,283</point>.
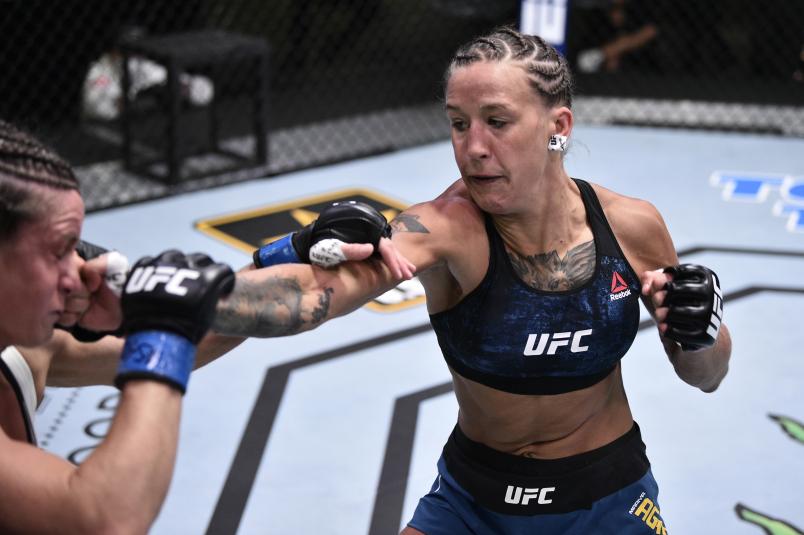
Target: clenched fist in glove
<point>344,231</point>
<point>344,222</point>
<point>689,304</point>
<point>168,305</point>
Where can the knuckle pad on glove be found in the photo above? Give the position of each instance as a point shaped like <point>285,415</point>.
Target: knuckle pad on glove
<point>141,262</point>
<point>694,307</point>
<point>685,270</point>
<point>351,222</point>
<point>686,315</point>
<point>681,335</point>
<point>173,257</point>
<point>168,296</point>
<point>197,260</point>
<point>678,293</point>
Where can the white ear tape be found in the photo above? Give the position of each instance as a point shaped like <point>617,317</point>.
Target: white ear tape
<point>557,143</point>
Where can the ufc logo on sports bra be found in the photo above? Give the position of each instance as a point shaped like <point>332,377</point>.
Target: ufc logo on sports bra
<point>146,279</point>
<point>537,344</point>
<point>520,496</point>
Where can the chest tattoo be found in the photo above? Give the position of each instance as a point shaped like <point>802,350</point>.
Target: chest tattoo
<point>550,272</point>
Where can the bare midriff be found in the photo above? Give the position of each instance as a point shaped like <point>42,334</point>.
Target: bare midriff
<point>540,426</point>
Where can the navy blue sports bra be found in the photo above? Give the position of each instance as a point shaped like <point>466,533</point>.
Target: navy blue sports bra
<point>512,337</point>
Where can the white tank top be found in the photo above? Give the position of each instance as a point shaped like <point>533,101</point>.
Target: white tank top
<point>22,374</point>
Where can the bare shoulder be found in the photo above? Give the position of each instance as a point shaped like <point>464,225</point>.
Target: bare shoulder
<point>627,215</point>
<point>452,207</point>
<point>640,229</point>
<point>437,224</point>
<point>446,239</point>
<point>40,358</point>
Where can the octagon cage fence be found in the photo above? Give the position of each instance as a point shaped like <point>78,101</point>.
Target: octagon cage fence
<point>351,78</point>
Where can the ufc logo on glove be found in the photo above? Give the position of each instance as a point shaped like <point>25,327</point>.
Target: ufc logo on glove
<point>717,311</point>
<point>146,279</point>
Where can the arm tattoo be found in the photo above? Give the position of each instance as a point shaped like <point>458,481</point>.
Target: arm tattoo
<point>273,307</point>
<point>408,223</point>
<point>548,271</point>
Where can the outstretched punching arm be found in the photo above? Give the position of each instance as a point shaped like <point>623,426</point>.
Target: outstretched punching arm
<point>80,357</point>
<point>290,298</point>
<point>288,294</point>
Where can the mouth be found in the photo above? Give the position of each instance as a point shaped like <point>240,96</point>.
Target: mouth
<point>484,178</point>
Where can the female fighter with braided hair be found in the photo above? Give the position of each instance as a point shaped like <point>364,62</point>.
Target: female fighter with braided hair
<point>120,487</point>
<point>533,280</point>
<point>47,282</point>
<point>53,279</point>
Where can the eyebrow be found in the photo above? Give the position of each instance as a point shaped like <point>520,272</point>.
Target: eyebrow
<point>67,237</point>
<point>484,108</point>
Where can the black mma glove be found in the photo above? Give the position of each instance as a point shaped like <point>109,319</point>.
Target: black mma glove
<point>114,278</point>
<point>88,251</point>
<point>347,222</point>
<point>695,304</point>
<point>117,265</point>
<point>168,305</point>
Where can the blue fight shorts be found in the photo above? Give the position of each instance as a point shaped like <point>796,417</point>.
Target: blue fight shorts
<point>483,491</point>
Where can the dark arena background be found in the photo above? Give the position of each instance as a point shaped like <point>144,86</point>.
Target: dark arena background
<point>370,71</point>
<point>235,118</point>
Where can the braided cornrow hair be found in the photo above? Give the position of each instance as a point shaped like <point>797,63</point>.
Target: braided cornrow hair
<point>26,165</point>
<point>547,70</point>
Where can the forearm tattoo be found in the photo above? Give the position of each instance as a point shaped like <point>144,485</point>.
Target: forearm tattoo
<point>273,307</point>
<point>548,271</point>
<point>408,223</point>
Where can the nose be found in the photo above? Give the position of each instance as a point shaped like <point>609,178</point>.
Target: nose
<point>477,146</point>
<point>70,282</point>
<point>70,279</point>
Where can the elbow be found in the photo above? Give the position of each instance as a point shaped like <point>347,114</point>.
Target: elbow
<point>705,380</point>
<point>703,369</point>
<point>107,511</point>
<point>107,520</point>
<point>123,526</point>
<point>714,384</point>
<point>710,388</point>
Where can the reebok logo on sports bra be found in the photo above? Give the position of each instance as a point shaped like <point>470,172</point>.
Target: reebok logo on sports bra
<point>619,288</point>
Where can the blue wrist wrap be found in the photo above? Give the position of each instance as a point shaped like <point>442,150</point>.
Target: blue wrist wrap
<point>280,251</point>
<point>157,355</point>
